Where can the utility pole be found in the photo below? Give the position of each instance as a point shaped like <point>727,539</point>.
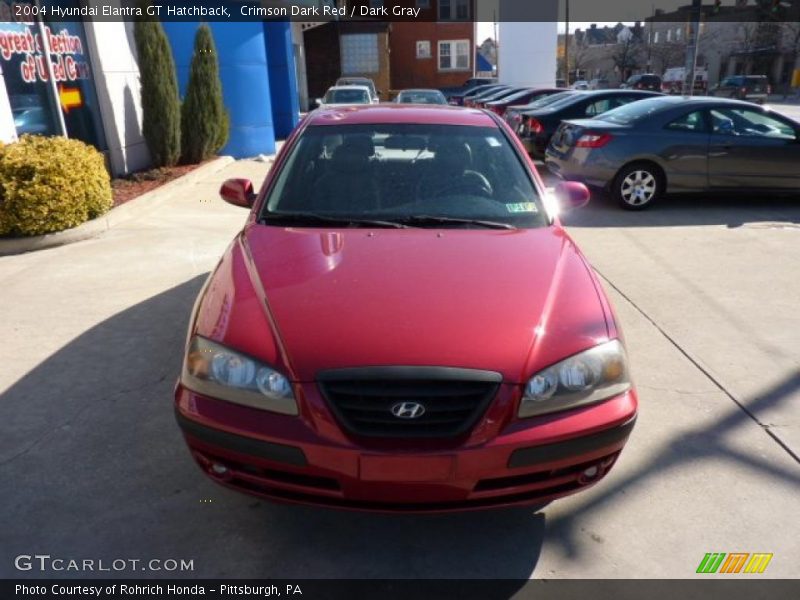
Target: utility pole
<point>566,47</point>
<point>691,47</point>
<point>650,41</point>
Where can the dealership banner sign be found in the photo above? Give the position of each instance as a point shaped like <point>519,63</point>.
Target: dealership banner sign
<point>398,10</point>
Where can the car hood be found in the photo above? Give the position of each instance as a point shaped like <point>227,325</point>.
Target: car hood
<point>506,301</point>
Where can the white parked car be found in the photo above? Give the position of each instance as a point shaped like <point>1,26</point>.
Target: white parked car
<point>345,95</point>
<point>581,84</point>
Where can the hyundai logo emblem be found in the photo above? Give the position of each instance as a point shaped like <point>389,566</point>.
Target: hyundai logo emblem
<point>408,410</point>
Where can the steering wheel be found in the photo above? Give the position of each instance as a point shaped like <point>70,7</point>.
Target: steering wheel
<point>471,184</point>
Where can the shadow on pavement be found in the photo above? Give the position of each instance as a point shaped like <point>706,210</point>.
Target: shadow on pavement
<point>681,451</point>
<point>100,470</point>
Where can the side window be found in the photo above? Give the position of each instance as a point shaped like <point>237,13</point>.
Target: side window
<point>693,122</point>
<point>756,123</point>
<point>750,123</point>
<point>727,82</point>
<point>599,107</point>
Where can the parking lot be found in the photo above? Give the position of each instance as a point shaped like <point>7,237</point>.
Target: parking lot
<point>705,288</point>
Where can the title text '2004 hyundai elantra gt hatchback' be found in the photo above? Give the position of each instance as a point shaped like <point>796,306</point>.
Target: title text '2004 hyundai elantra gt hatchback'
<point>403,325</point>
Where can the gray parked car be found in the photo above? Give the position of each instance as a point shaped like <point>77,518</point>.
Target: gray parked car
<point>754,88</point>
<point>644,149</point>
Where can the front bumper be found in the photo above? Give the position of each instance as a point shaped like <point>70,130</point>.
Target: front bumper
<point>294,459</point>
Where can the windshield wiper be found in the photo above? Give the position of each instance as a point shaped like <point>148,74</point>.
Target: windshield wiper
<point>305,218</point>
<point>437,220</point>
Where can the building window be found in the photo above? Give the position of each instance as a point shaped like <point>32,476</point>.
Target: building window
<point>655,37</point>
<point>454,10</point>
<point>24,73</point>
<point>454,55</point>
<point>423,49</point>
<point>359,53</point>
<point>423,3</point>
<point>678,34</point>
<point>669,35</point>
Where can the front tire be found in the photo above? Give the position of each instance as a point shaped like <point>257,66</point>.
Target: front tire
<point>637,186</point>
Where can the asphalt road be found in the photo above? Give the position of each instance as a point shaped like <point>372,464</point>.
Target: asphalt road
<point>93,465</point>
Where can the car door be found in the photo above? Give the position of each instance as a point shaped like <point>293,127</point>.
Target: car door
<point>753,148</point>
<point>683,150</point>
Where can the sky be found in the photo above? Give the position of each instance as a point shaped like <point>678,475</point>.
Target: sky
<point>487,29</point>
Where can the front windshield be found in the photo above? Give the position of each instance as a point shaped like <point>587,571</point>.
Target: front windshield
<point>346,97</point>
<point>410,174</point>
<point>633,111</point>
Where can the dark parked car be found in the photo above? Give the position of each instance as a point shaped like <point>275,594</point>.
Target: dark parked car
<point>458,92</point>
<point>501,95</point>
<point>523,97</point>
<point>513,113</point>
<point>420,97</point>
<point>489,94</point>
<point>644,81</point>
<point>455,95</point>
<point>538,125</point>
<point>477,91</point>
<point>675,144</point>
<point>754,88</point>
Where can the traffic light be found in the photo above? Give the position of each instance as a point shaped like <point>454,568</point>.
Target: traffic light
<point>717,5</point>
<point>776,6</point>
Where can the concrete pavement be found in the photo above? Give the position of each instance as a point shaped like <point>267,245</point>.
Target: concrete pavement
<point>95,467</point>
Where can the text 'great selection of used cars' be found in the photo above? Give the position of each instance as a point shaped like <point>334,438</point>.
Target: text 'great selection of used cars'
<point>678,144</point>
<point>404,325</point>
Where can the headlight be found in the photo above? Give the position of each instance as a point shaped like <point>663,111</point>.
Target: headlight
<point>591,376</point>
<point>214,370</point>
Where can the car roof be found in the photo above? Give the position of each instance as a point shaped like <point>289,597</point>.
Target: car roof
<point>348,87</point>
<point>419,90</point>
<point>701,101</point>
<point>400,113</point>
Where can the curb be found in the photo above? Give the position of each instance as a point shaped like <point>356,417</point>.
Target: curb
<point>112,218</point>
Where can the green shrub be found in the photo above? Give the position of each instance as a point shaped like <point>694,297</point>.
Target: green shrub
<point>161,105</point>
<point>50,184</point>
<point>204,120</point>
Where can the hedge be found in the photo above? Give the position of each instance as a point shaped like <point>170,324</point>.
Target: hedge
<point>49,184</point>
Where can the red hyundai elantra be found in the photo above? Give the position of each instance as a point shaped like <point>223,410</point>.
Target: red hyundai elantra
<point>404,325</point>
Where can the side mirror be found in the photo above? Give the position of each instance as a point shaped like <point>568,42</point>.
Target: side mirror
<point>319,101</point>
<point>238,192</point>
<point>571,194</point>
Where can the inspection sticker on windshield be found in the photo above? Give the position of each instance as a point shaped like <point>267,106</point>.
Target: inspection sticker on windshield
<point>522,207</point>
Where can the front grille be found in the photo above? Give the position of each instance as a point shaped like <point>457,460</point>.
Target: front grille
<point>453,399</point>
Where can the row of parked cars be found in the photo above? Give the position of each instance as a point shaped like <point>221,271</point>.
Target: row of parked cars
<point>639,144</point>
<point>754,88</point>
<point>361,90</point>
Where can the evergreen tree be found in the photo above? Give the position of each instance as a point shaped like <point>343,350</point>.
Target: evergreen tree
<point>204,120</point>
<point>161,106</point>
